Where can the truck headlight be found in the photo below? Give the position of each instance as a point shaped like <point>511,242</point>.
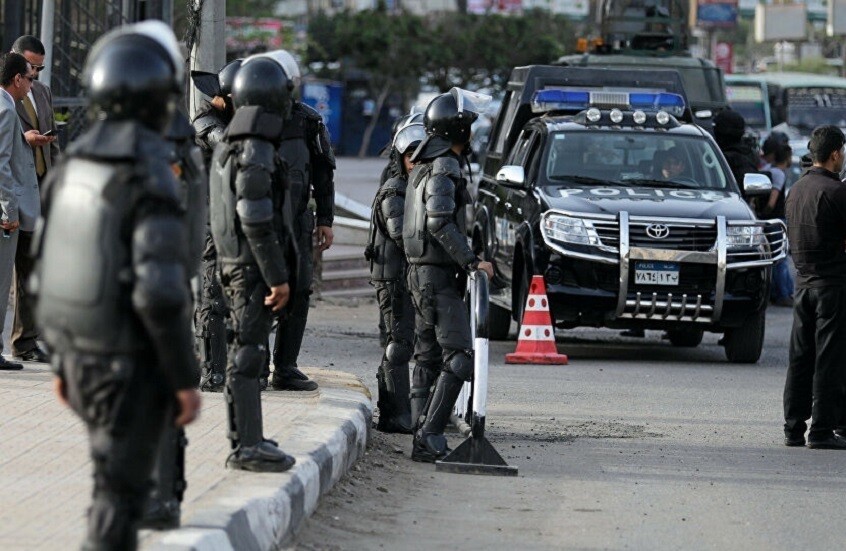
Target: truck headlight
<point>567,229</point>
<point>745,236</point>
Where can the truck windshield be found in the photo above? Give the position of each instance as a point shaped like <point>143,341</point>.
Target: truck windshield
<point>647,159</point>
<point>808,108</point>
<point>748,100</point>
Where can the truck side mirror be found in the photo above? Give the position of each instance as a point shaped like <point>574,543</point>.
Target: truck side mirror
<point>755,185</point>
<point>511,174</point>
<point>704,114</point>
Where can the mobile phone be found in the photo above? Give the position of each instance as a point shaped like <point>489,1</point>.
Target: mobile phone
<point>48,133</point>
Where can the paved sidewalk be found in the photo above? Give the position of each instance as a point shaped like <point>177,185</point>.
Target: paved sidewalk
<point>45,473</point>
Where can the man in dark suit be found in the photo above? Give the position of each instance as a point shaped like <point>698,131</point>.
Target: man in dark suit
<point>36,114</point>
<point>19,198</point>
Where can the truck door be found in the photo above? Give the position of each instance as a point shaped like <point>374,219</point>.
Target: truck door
<point>509,214</point>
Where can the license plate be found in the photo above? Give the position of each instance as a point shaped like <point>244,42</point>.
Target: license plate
<point>656,273</point>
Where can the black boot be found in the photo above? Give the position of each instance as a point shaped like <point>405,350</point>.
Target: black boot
<point>261,458</point>
<point>291,379</point>
<point>429,442</point>
<point>423,377</point>
<point>211,381</point>
<point>394,407</point>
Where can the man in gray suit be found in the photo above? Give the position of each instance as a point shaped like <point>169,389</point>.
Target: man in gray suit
<point>36,113</point>
<point>20,204</point>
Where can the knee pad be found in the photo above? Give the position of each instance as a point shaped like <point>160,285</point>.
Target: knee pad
<point>249,360</point>
<point>398,353</point>
<point>460,364</point>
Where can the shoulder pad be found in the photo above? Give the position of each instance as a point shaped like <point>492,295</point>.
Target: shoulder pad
<point>439,184</point>
<point>396,186</point>
<point>255,121</point>
<point>307,111</point>
<point>448,166</point>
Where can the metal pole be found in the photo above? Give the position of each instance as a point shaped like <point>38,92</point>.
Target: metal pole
<point>209,52</point>
<point>48,16</point>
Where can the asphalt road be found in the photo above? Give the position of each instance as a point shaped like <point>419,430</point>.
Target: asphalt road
<point>633,445</point>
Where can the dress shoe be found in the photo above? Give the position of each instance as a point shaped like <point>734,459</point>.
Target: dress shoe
<point>794,441</point>
<point>34,355</point>
<point>6,365</point>
<point>833,442</point>
<point>291,379</point>
<point>261,458</point>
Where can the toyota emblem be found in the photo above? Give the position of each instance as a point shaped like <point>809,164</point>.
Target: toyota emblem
<point>657,231</point>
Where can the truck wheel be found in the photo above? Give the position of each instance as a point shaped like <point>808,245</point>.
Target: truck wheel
<point>685,338</point>
<point>499,323</point>
<point>744,344</point>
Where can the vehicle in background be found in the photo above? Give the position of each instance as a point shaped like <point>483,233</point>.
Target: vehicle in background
<point>797,103</point>
<point>653,36</point>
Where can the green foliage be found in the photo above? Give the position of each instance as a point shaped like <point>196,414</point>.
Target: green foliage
<point>817,65</point>
<point>442,50</point>
<point>250,8</point>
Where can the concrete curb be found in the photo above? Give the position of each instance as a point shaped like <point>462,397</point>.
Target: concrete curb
<point>261,511</point>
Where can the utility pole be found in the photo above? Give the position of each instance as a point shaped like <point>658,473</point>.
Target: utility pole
<point>48,17</point>
<point>209,51</point>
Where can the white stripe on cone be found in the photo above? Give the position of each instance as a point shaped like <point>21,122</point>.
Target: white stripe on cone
<point>537,303</point>
<point>536,333</point>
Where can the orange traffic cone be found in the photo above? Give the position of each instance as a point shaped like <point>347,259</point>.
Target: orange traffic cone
<point>536,340</point>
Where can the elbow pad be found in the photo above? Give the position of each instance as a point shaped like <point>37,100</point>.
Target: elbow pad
<point>393,210</point>
<point>454,244</point>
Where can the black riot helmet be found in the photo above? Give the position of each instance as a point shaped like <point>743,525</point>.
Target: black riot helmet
<point>226,76</point>
<point>452,114</point>
<point>262,81</point>
<point>135,73</point>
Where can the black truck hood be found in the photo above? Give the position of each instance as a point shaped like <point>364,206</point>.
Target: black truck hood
<point>646,201</point>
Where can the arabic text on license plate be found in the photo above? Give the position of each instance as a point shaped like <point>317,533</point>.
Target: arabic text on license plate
<point>656,273</point>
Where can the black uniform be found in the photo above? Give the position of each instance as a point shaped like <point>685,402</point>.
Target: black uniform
<point>252,234</point>
<point>311,164</point>
<point>816,376</point>
<point>210,313</point>
<point>439,259</point>
<point>114,306</point>
<point>388,270</point>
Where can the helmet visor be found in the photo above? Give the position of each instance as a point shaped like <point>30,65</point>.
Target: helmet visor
<point>284,59</point>
<point>408,135</point>
<point>473,102</point>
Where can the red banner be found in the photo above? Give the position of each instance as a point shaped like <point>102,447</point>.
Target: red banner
<point>723,55</point>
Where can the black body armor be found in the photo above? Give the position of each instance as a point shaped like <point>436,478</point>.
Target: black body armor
<point>384,250</point>
<point>434,222</point>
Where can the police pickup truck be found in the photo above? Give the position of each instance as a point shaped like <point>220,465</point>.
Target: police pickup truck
<point>595,180</point>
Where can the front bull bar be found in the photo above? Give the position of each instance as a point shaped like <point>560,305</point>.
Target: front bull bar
<point>476,455</point>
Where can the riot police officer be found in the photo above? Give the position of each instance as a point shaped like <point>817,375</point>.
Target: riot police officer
<point>210,311</point>
<point>388,270</point>
<point>439,259</point>
<point>251,226</point>
<point>112,285</point>
<point>311,165</point>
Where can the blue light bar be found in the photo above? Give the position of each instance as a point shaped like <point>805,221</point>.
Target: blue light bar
<point>663,101</point>
<point>560,100</point>
<point>544,101</point>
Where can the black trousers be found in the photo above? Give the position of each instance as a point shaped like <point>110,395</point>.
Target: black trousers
<point>210,315</point>
<point>397,311</point>
<point>816,375</point>
<point>124,404</point>
<point>291,328</point>
<point>251,319</point>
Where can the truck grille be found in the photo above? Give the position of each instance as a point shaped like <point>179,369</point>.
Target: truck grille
<point>681,237</point>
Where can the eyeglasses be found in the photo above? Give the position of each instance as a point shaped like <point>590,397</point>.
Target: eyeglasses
<point>29,78</point>
<point>38,68</point>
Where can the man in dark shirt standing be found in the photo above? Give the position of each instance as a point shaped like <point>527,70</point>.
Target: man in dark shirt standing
<point>816,226</point>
